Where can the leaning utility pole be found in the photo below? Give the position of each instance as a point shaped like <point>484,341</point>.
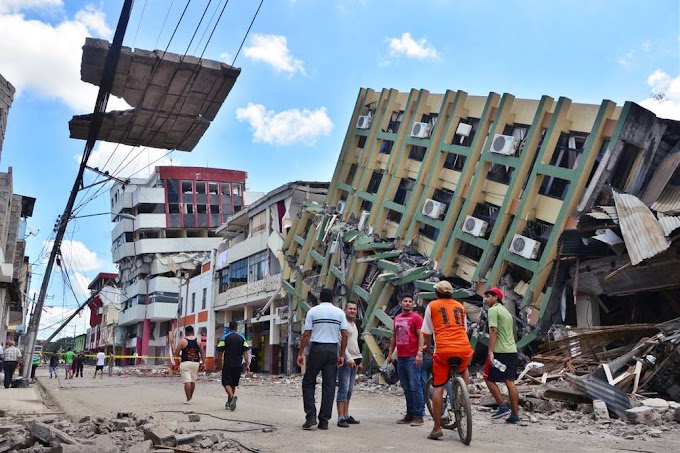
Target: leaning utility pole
<point>98,116</point>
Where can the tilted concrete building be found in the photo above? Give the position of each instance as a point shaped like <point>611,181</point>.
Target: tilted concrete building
<point>104,304</point>
<point>176,211</point>
<point>491,191</point>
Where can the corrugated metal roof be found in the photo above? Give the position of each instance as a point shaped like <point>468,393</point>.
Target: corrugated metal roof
<point>616,399</point>
<point>663,174</point>
<point>605,213</point>
<point>669,223</point>
<point>669,200</point>
<point>642,233</point>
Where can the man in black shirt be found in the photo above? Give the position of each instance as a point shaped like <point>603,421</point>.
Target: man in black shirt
<point>191,355</point>
<point>235,352</point>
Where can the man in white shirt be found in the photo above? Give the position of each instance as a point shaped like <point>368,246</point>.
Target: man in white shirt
<point>347,374</point>
<point>325,324</point>
<point>101,360</point>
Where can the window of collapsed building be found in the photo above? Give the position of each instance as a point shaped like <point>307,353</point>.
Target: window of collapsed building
<point>404,191</point>
<point>428,231</point>
<point>174,233</point>
<point>151,208</point>
<point>470,251</point>
<point>202,211</point>
<point>395,121</point>
<point>224,280</point>
<point>193,302</point>
<point>445,197</point>
<point>258,265</point>
<point>540,231</point>
<point>238,273</point>
<point>568,150</point>
<point>351,173</point>
<point>641,307</point>
<point>417,153</point>
<point>454,161</point>
<point>598,159</point>
<point>172,190</point>
<point>519,132</point>
<point>374,183</point>
<point>226,199</point>
<point>366,205</point>
<point>554,187</point>
<point>431,120</point>
<point>187,191</point>
<point>237,196</point>
<point>258,223</point>
<point>500,173</point>
<point>465,134</point>
<point>361,143</point>
<point>215,214</point>
<point>487,212</point>
<point>624,172</point>
<point>149,234</point>
<point>386,146</point>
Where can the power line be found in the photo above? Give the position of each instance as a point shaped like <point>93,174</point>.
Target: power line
<point>164,21</point>
<point>246,35</point>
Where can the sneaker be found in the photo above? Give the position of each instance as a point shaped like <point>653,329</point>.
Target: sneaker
<point>343,423</point>
<point>323,424</point>
<point>417,421</point>
<point>308,424</point>
<point>514,418</point>
<point>227,405</point>
<point>232,405</point>
<point>408,418</point>
<point>501,412</point>
<point>352,421</point>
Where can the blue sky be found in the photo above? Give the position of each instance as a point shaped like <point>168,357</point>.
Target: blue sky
<point>303,64</point>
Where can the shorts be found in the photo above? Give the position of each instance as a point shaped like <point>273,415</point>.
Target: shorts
<point>493,374</point>
<point>231,375</point>
<point>69,367</point>
<point>188,371</point>
<point>98,367</point>
<point>346,378</point>
<point>440,365</point>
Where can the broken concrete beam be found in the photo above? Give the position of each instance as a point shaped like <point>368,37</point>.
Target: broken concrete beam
<point>49,435</point>
<point>642,415</point>
<point>194,418</point>
<point>142,447</point>
<point>190,438</point>
<point>87,418</point>
<point>600,410</point>
<point>656,403</point>
<point>206,443</point>
<point>160,435</point>
<point>9,428</point>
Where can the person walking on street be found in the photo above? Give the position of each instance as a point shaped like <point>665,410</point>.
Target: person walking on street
<point>191,354</point>
<point>101,360</point>
<point>79,364</point>
<point>347,374</point>
<point>111,362</point>
<point>446,320</point>
<point>11,358</point>
<point>34,365</point>
<point>234,353</point>
<point>325,324</point>
<point>54,364</point>
<point>408,341</point>
<point>69,357</point>
<point>502,354</point>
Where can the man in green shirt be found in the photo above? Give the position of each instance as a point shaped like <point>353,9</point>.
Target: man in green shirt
<point>501,364</point>
<point>68,363</point>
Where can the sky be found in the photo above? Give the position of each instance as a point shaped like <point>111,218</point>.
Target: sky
<point>302,64</point>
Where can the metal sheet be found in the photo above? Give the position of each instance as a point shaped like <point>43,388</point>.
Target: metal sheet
<point>642,233</point>
<point>659,181</point>
<point>669,224</point>
<point>608,237</point>
<point>669,200</point>
<point>616,399</point>
<point>605,213</point>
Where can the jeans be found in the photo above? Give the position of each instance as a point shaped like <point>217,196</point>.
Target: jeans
<point>409,377</point>
<point>346,378</point>
<point>323,357</point>
<point>10,366</point>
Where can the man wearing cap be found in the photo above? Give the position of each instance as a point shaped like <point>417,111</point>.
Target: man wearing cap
<point>446,319</point>
<point>325,324</point>
<point>502,348</point>
<point>408,342</point>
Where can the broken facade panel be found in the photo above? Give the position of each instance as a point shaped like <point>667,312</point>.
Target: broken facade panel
<point>481,191</point>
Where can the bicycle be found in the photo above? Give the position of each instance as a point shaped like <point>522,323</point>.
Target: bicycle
<point>457,413</point>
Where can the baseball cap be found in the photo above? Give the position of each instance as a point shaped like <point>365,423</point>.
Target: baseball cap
<point>495,291</point>
<point>444,287</point>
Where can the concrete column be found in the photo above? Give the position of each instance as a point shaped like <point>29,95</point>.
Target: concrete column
<point>145,340</point>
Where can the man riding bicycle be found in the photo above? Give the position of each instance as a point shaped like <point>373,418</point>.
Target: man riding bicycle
<point>446,318</point>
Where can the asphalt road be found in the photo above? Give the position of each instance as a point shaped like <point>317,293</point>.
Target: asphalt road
<point>277,403</point>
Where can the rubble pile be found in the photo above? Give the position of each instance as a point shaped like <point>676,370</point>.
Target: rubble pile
<point>126,433</point>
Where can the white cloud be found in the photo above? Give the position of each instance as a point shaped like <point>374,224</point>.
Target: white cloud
<point>410,48</point>
<point>125,161</point>
<point>226,57</point>
<point>76,256</point>
<point>273,50</point>
<point>53,316</point>
<point>13,6</point>
<point>665,98</point>
<point>45,59</point>
<point>626,60</point>
<point>286,127</point>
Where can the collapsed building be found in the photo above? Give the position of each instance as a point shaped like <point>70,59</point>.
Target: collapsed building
<point>571,209</point>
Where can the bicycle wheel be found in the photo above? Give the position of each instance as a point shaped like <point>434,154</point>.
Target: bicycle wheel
<point>447,418</point>
<point>460,401</point>
<point>428,395</point>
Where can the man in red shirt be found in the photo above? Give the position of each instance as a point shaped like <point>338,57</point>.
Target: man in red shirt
<point>446,319</point>
<point>408,341</point>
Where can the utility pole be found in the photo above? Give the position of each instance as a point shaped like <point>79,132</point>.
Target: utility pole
<point>99,109</point>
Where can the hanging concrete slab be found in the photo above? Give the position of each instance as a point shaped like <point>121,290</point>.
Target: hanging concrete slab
<point>642,233</point>
<point>174,98</point>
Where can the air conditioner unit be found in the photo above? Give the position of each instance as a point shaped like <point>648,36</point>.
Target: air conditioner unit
<point>474,226</point>
<point>524,246</point>
<point>433,208</point>
<point>420,130</point>
<point>363,220</point>
<point>364,122</point>
<point>340,207</point>
<point>334,246</point>
<point>504,144</point>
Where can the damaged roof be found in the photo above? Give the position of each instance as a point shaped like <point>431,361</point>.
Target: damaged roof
<point>642,233</point>
<point>174,98</point>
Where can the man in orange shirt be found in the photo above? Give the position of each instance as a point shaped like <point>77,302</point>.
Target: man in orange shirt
<point>446,319</point>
